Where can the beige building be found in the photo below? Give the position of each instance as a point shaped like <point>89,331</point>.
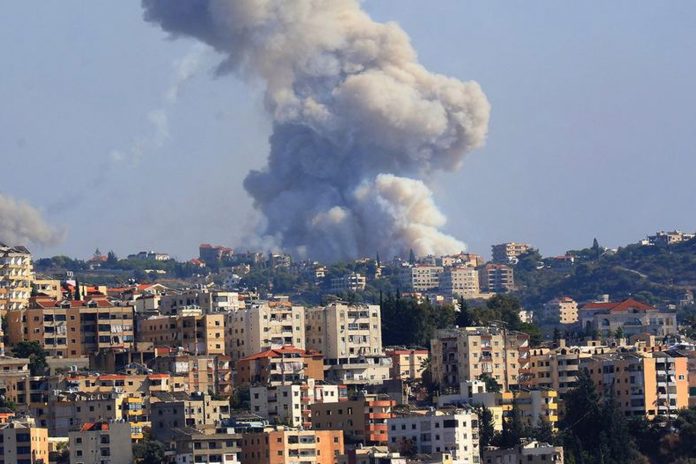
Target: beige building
<point>47,287</point>
<point>23,442</point>
<point>507,253</point>
<point>264,326</point>
<point>407,364</point>
<point>101,442</point>
<point>352,282</point>
<point>532,452</point>
<point>16,276</point>
<point>72,329</point>
<point>496,278</point>
<point>175,410</point>
<point>460,281</point>
<point>468,353</point>
<point>206,445</point>
<point>630,317</point>
<point>208,301</point>
<point>195,332</point>
<point>14,379</point>
<point>420,277</point>
<point>350,338</point>
<point>561,310</point>
<point>281,445</point>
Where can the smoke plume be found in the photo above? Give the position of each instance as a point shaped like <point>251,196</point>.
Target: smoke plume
<point>358,123</point>
<point>21,224</point>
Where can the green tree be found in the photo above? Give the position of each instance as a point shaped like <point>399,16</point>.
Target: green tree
<point>111,258</point>
<point>148,451</point>
<point>513,428</point>
<point>465,317</point>
<point>35,353</point>
<point>491,384</point>
<point>486,427</point>
<point>411,257</point>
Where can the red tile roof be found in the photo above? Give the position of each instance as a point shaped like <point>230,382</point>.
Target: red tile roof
<point>274,353</point>
<point>620,306</point>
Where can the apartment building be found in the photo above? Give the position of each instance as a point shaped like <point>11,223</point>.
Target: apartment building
<point>352,282</point>
<point>72,329</point>
<point>280,366</point>
<point>470,352</point>
<point>263,326</point>
<point>190,329</point>
<point>453,431</point>
<point>562,310</point>
<point>407,364</point>
<point>350,338</point>
<point>169,411</point>
<point>529,451</point>
<point>208,301</point>
<point>212,254</point>
<point>202,373</point>
<point>14,379</point>
<point>420,277</point>
<point>363,420</point>
<point>506,253</point>
<point>281,445</point>
<point>101,443</point>
<point>642,384</point>
<point>21,441</point>
<point>460,282</point>
<point>290,404</point>
<point>206,445</point>
<point>49,288</point>
<point>496,278</point>
<point>630,317</point>
<point>16,276</point>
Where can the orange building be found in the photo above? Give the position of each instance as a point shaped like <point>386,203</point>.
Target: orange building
<point>280,366</point>
<point>73,328</point>
<point>23,441</point>
<point>282,445</point>
<point>363,420</point>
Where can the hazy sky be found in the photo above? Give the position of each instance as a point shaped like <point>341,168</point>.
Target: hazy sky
<point>592,129</point>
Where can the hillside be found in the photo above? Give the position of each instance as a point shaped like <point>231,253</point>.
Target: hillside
<point>659,275</point>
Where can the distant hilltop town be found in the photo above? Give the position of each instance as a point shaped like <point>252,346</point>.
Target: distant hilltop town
<point>248,357</point>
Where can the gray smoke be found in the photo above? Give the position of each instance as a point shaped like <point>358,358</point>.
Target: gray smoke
<point>358,122</point>
<point>22,224</point>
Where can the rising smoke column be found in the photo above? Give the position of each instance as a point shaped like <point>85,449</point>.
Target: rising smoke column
<point>21,224</point>
<point>358,124</point>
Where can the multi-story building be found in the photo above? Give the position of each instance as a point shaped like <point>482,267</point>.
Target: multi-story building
<point>14,379</point>
<point>281,445</point>
<point>506,253</point>
<point>206,445</point>
<point>407,364</point>
<point>497,278</point>
<point>169,411</point>
<point>212,254</point>
<point>16,275</point>
<point>454,432</point>
<point>21,441</point>
<point>460,281</point>
<point>49,288</point>
<point>264,326</point>
<point>471,352</point>
<point>202,373</point>
<point>192,330</point>
<point>350,338</point>
<point>561,311</point>
<point>280,366</point>
<point>208,301</point>
<point>420,277</point>
<point>290,404</point>
<point>532,452</point>
<point>628,317</point>
<point>363,420</point>
<point>101,442</point>
<point>352,282</point>
<point>73,328</point>
<point>642,384</point>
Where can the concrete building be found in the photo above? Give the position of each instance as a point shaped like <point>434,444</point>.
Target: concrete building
<point>175,410</point>
<point>72,329</point>
<point>363,420</point>
<point>16,276</point>
<point>407,364</point>
<point>532,452</point>
<point>190,329</point>
<point>507,253</point>
<point>496,278</point>
<point>208,301</point>
<point>460,281</point>
<point>630,317</point>
<point>290,404</point>
<point>350,338</point>
<point>352,282</point>
<point>436,432</point>
<point>22,442</point>
<point>14,379</point>
<point>206,445</point>
<point>420,277</point>
<point>281,445</point>
<point>212,254</point>
<point>280,366</point>
<point>49,288</point>
<point>202,373</point>
<point>102,443</point>
<point>468,353</point>
<point>562,310</point>
<point>264,326</point>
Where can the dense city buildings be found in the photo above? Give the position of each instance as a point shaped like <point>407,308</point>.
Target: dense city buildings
<point>281,445</point>
<point>101,442</point>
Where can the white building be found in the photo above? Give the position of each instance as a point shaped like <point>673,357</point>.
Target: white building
<point>352,282</point>
<point>208,301</point>
<point>350,337</point>
<point>262,326</point>
<point>437,431</point>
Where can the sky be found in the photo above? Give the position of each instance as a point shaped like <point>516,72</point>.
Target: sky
<point>126,140</point>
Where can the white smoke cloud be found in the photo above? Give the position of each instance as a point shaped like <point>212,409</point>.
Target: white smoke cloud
<point>357,122</point>
<point>22,224</point>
